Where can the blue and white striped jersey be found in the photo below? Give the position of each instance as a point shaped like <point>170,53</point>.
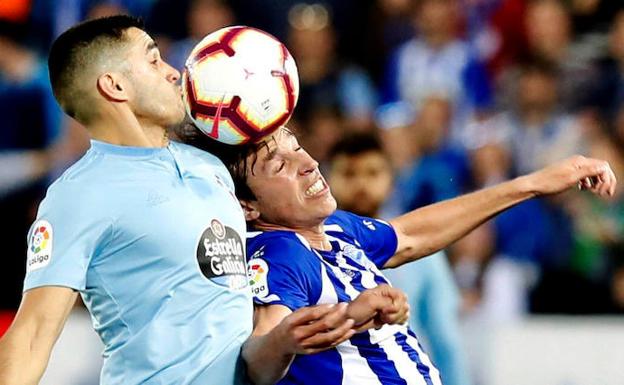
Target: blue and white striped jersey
<point>285,270</point>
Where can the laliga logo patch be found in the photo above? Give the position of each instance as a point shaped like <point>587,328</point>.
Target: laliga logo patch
<point>221,256</point>
<point>258,273</point>
<point>39,246</point>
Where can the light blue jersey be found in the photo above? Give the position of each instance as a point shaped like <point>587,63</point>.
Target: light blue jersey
<point>153,239</point>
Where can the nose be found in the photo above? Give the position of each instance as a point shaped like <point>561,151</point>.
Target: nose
<point>172,74</point>
<point>308,164</point>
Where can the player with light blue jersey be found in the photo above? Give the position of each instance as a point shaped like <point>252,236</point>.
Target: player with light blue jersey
<point>306,253</point>
<point>160,267</point>
<point>148,232</point>
<point>359,249</point>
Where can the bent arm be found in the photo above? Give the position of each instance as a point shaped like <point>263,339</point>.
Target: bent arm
<point>280,334</point>
<point>266,360</point>
<point>426,230</point>
<point>26,346</point>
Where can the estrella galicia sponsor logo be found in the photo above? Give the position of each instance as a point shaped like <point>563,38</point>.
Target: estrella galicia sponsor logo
<point>39,246</point>
<point>221,256</point>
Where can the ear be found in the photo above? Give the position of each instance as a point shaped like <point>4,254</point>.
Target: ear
<point>113,87</point>
<point>250,210</point>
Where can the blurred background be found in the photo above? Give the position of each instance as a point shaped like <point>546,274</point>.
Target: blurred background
<point>404,103</point>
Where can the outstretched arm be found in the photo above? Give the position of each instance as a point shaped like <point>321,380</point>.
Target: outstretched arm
<point>426,230</point>
<point>26,346</point>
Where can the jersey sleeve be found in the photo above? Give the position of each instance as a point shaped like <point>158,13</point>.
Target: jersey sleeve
<point>282,272</point>
<point>377,238</point>
<point>69,230</point>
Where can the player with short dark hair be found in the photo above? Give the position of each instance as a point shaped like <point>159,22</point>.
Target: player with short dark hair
<point>150,234</point>
<point>304,252</point>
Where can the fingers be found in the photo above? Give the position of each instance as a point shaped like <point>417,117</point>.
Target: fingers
<point>397,313</point>
<point>328,339</point>
<point>596,176</point>
<point>307,315</point>
<point>366,305</point>
<point>319,320</point>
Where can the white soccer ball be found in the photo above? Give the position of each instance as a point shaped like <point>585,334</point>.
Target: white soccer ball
<point>240,84</point>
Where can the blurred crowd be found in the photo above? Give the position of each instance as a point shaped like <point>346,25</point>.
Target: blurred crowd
<point>404,103</point>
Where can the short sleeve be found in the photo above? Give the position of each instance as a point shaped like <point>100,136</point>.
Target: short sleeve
<point>377,238</point>
<point>69,230</point>
<point>282,272</point>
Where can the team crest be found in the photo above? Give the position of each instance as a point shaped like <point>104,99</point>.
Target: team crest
<point>217,229</point>
<point>39,246</point>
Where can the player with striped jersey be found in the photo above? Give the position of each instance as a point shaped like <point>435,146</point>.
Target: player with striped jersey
<point>306,253</point>
<point>359,247</point>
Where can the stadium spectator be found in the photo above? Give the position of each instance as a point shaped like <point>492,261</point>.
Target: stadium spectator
<point>203,17</point>
<point>361,178</point>
<point>438,63</point>
<point>326,80</point>
<point>608,94</point>
<point>535,129</point>
<point>549,36</point>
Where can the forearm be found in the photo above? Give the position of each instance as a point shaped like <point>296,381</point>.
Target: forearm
<point>429,229</point>
<point>20,362</point>
<point>26,346</point>
<point>266,360</point>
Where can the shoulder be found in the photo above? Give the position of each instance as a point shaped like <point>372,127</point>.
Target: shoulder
<point>88,167</point>
<point>196,153</point>
<point>79,185</point>
<point>344,221</point>
<point>276,244</point>
<point>285,250</point>
<point>203,159</point>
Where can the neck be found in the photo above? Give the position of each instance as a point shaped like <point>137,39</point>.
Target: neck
<point>126,130</point>
<point>315,235</point>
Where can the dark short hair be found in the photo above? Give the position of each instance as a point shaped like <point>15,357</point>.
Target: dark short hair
<point>78,47</point>
<point>356,144</point>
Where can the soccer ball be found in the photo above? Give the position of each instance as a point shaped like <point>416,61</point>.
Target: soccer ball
<point>240,84</point>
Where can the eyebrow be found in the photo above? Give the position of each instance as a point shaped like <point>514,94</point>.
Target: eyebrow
<point>270,154</point>
<point>150,46</point>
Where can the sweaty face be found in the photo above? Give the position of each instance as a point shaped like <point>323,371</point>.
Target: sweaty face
<point>362,182</point>
<point>157,97</point>
<point>290,191</point>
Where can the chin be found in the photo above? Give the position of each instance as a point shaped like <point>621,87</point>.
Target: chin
<point>330,206</point>
<point>176,119</point>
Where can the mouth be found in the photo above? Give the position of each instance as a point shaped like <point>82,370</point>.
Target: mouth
<point>318,188</point>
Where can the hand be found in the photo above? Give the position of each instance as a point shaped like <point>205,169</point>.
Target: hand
<point>586,173</point>
<point>314,329</point>
<point>376,307</point>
